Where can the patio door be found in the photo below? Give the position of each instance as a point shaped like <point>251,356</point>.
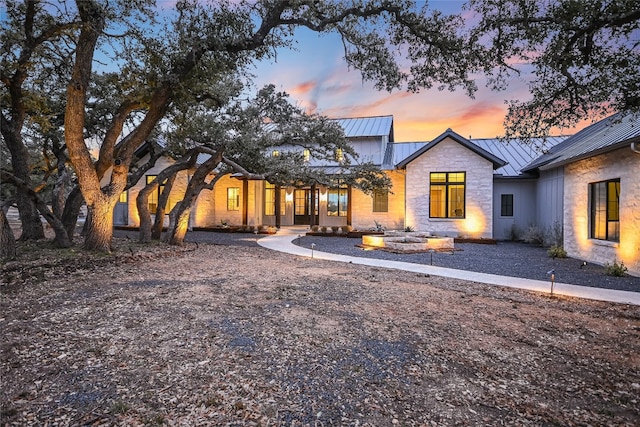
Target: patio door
<point>302,206</point>
<point>121,210</point>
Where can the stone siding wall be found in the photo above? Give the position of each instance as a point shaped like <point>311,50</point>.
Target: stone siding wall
<point>621,164</point>
<point>450,156</point>
<point>363,217</point>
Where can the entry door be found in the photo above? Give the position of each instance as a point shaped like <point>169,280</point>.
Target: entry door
<point>302,206</point>
<point>121,211</point>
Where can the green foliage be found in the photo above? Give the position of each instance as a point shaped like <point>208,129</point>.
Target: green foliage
<point>556,252</point>
<point>582,55</point>
<point>615,269</point>
<point>534,235</point>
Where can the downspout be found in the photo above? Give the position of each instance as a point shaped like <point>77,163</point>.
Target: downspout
<point>635,147</point>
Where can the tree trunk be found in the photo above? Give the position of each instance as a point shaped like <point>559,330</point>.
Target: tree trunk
<point>71,211</point>
<point>7,239</point>
<point>179,230</point>
<point>32,228</point>
<point>100,227</point>
<point>142,203</point>
<point>156,231</point>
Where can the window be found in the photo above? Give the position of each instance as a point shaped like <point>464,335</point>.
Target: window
<point>339,155</point>
<point>155,195</point>
<point>447,195</point>
<point>233,198</point>
<point>275,153</point>
<point>506,204</point>
<point>123,197</point>
<point>338,201</point>
<point>306,155</point>
<point>270,200</point>
<point>381,201</point>
<point>605,210</point>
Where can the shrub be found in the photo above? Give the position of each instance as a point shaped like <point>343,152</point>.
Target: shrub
<point>533,235</point>
<point>554,235</point>
<point>514,233</point>
<point>314,228</point>
<point>378,226</point>
<point>557,252</point>
<point>335,229</point>
<point>409,228</point>
<point>615,269</point>
<point>261,228</point>
<point>323,228</point>
<point>347,229</point>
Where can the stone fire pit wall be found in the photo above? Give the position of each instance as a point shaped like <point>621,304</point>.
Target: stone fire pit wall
<point>407,241</point>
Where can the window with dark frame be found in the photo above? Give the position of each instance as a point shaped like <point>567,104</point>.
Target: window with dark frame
<point>604,218</point>
<point>270,200</point>
<point>506,204</point>
<point>447,194</point>
<point>381,201</point>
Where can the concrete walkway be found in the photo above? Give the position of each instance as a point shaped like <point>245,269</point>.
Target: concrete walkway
<point>283,242</point>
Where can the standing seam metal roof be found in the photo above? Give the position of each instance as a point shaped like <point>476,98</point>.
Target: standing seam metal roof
<point>367,126</point>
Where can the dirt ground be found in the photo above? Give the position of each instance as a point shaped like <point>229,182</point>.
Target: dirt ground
<point>232,335</point>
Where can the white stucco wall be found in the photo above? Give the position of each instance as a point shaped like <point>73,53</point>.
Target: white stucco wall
<point>450,156</point>
<point>622,164</point>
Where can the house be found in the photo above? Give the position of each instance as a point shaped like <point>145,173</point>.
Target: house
<point>584,187</point>
<point>591,182</point>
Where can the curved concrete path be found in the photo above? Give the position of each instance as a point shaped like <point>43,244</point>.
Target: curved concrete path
<point>283,242</point>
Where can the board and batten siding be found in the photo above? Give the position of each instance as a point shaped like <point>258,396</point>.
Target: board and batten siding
<point>524,207</point>
<point>620,164</point>
<point>550,199</point>
<point>450,156</point>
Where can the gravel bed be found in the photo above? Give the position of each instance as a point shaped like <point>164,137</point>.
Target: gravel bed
<point>504,258</point>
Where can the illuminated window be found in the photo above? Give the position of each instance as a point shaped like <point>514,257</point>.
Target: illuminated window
<point>381,201</point>
<point>447,195</point>
<point>275,153</point>
<point>306,155</point>
<point>605,210</point>
<point>506,204</point>
<point>339,155</point>
<point>270,200</point>
<point>123,197</point>
<point>154,196</point>
<point>337,201</point>
<point>233,198</point>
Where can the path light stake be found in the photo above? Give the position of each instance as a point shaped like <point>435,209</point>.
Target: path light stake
<point>552,272</point>
<point>313,245</point>
<point>255,232</point>
<point>431,251</point>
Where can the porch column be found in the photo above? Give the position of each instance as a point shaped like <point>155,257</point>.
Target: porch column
<point>312,208</point>
<point>349,203</point>
<point>277,202</point>
<point>245,202</point>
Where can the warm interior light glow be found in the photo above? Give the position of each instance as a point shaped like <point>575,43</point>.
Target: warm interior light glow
<point>289,196</point>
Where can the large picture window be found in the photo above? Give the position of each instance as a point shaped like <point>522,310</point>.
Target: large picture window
<point>338,201</point>
<point>447,195</point>
<point>605,210</point>
<point>233,198</point>
<point>381,201</point>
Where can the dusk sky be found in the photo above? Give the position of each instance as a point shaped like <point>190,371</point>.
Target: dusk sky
<point>318,79</point>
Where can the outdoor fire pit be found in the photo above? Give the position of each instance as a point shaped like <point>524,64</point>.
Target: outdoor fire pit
<point>413,241</point>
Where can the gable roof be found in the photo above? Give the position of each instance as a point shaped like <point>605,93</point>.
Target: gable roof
<point>606,135</point>
<point>496,161</point>
<point>367,126</point>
